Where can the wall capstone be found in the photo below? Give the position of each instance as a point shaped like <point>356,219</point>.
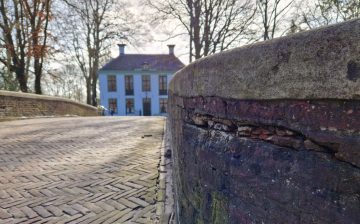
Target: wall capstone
<point>16,104</point>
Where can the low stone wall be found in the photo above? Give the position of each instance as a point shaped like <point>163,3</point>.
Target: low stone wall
<point>270,132</point>
<point>14,104</point>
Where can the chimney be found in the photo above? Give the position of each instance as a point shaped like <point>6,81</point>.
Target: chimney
<point>122,49</point>
<point>171,48</point>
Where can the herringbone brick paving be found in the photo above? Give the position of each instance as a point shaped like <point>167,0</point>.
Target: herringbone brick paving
<point>79,170</point>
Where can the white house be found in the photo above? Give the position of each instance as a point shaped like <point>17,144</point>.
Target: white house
<point>137,84</point>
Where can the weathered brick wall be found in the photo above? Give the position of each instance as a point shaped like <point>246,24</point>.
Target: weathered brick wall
<point>270,133</point>
<point>14,104</point>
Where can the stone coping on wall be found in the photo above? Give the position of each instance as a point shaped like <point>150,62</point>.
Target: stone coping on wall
<point>317,64</point>
<point>42,97</point>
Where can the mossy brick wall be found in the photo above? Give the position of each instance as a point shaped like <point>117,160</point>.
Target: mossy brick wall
<point>14,104</point>
<point>270,132</point>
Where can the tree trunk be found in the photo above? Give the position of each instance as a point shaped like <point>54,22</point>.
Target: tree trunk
<point>38,85</point>
<point>20,76</point>
<point>37,76</point>
<point>190,6</point>
<point>94,89</point>
<point>197,27</point>
<point>88,90</point>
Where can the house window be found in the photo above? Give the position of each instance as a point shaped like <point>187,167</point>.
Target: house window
<point>129,85</point>
<point>111,83</point>
<point>163,105</point>
<point>113,105</point>
<point>146,83</point>
<point>162,85</point>
<point>130,106</point>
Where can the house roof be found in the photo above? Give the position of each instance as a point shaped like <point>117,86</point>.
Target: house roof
<point>158,62</point>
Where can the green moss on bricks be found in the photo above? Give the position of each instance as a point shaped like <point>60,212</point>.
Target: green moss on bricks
<point>220,208</point>
<point>199,220</point>
<point>196,204</point>
<point>195,196</point>
<point>197,200</point>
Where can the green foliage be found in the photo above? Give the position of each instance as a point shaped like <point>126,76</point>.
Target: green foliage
<point>220,210</point>
<point>8,81</point>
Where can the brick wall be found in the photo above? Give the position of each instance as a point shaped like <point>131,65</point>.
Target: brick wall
<point>270,133</point>
<point>14,104</point>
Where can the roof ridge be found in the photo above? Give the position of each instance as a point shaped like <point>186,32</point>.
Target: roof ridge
<point>166,62</point>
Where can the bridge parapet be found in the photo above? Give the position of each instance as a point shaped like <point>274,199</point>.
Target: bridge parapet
<point>270,132</point>
<point>15,104</point>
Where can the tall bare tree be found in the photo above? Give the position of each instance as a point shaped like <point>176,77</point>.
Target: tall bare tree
<point>14,40</point>
<point>65,81</point>
<point>272,12</point>
<point>39,15</point>
<point>23,28</point>
<point>211,25</point>
<point>92,25</point>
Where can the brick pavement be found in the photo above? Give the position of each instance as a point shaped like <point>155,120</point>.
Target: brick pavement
<point>79,170</point>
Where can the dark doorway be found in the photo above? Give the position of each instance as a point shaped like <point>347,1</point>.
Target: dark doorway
<point>147,106</point>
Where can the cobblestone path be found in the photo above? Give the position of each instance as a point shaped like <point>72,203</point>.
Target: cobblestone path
<point>79,170</point>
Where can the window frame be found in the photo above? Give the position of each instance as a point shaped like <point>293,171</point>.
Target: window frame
<point>129,85</point>
<point>146,83</point>
<point>132,109</point>
<point>163,83</point>
<point>111,83</point>
<point>161,100</point>
<point>110,104</point>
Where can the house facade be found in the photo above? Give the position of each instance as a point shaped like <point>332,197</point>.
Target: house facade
<point>137,84</point>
